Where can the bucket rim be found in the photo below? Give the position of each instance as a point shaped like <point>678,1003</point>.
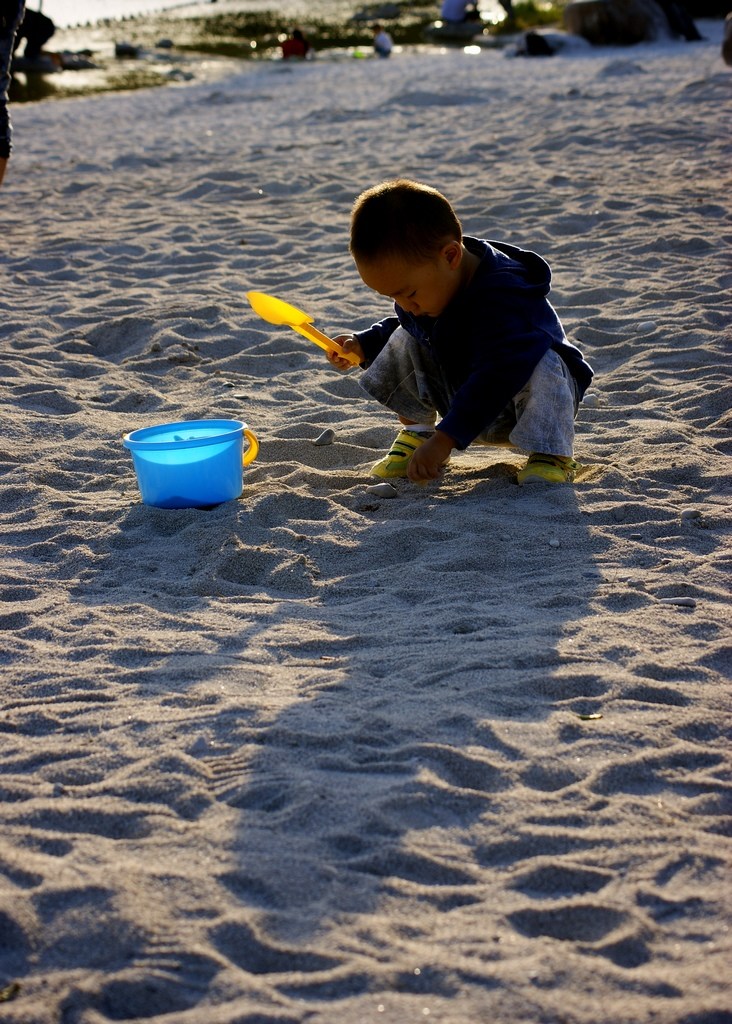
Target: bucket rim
<point>142,439</point>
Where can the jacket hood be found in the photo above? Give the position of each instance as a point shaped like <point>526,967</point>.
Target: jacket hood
<point>507,266</point>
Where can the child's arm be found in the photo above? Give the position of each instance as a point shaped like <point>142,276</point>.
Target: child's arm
<point>430,457</point>
<point>349,344</point>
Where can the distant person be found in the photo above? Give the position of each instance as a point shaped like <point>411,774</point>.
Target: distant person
<point>36,29</point>
<point>472,341</point>
<point>296,46</point>
<point>459,10</point>
<point>383,43</point>
<point>11,15</point>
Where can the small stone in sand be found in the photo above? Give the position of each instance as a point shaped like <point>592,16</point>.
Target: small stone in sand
<point>327,437</point>
<point>383,490</point>
<point>690,513</point>
<point>681,602</point>
<point>554,542</point>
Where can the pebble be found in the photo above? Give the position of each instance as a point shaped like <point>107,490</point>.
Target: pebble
<point>554,542</point>
<point>682,602</point>
<point>690,513</point>
<point>646,326</point>
<point>327,437</point>
<point>591,401</point>
<point>384,490</point>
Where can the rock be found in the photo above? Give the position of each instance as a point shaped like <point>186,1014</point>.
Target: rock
<point>76,61</point>
<point>681,602</point>
<point>554,542</point>
<point>181,354</point>
<point>384,490</point>
<point>327,437</point>
<point>616,22</point>
<point>126,50</point>
<point>727,40</point>
<point>690,513</point>
<point>565,42</point>
<point>536,44</point>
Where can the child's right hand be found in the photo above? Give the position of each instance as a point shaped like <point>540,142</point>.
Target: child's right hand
<point>349,344</point>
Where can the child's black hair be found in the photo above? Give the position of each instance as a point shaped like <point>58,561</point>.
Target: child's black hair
<point>402,218</point>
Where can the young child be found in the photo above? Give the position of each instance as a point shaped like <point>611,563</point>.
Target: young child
<point>383,43</point>
<point>473,338</point>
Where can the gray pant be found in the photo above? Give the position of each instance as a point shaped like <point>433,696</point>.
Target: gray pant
<point>539,418</point>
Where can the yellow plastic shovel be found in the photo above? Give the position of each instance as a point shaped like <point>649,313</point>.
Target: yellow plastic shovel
<point>275,311</point>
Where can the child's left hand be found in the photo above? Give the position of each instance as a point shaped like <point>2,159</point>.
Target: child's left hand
<point>349,344</point>
<point>430,457</point>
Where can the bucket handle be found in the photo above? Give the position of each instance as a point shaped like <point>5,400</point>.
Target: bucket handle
<point>253,450</point>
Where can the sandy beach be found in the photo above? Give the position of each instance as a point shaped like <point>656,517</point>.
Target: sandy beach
<point>315,756</point>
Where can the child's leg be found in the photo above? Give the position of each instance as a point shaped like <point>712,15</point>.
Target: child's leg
<point>405,379</point>
<point>545,411</point>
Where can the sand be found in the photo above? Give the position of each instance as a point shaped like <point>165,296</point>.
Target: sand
<point>320,756</point>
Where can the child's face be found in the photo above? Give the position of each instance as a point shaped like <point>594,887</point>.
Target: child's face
<point>422,289</point>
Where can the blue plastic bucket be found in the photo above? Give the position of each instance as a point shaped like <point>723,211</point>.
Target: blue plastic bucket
<point>192,463</point>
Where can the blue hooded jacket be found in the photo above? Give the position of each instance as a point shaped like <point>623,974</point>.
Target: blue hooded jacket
<point>490,337</point>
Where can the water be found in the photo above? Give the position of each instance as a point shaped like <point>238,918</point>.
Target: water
<point>66,13</point>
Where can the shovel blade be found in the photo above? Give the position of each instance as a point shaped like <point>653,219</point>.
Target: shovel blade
<point>275,311</point>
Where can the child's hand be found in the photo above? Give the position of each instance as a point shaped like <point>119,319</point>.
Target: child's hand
<point>430,457</point>
<point>349,344</point>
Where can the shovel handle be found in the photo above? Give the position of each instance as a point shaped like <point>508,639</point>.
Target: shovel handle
<point>308,331</point>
